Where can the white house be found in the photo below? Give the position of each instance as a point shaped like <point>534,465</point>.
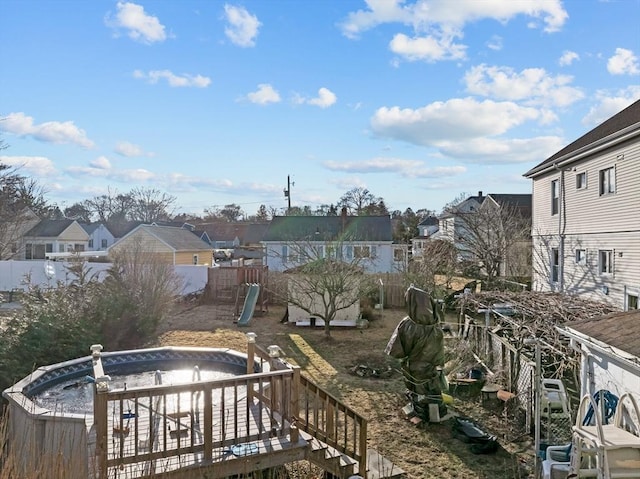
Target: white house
<point>100,238</point>
<point>451,226</point>
<point>426,229</point>
<point>586,214</point>
<point>367,240</point>
<point>54,236</point>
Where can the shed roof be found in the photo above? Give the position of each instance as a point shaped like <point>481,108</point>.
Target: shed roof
<point>626,118</point>
<point>620,330</point>
<point>329,228</point>
<point>179,239</point>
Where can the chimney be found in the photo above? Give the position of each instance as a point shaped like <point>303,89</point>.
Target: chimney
<point>480,194</point>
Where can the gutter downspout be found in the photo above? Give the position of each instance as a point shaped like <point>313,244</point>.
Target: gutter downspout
<point>562,226</point>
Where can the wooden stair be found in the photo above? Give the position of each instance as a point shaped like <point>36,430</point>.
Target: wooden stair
<point>343,466</point>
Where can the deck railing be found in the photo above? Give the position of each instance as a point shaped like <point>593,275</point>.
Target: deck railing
<point>147,430</point>
<point>165,427</point>
<point>332,422</point>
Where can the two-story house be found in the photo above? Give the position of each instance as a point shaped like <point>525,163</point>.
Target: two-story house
<point>366,240</point>
<point>426,229</point>
<point>452,228</point>
<point>586,207</point>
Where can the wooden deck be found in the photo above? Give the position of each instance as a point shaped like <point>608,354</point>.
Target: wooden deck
<point>227,427</point>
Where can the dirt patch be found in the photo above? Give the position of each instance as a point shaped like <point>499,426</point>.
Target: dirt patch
<point>427,451</point>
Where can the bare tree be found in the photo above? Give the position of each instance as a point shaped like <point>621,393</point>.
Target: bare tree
<point>149,205</point>
<point>325,282</point>
<point>438,259</point>
<point>79,212</point>
<point>357,199</point>
<point>230,213</point>
<point>18,195</point>
<point>495,237</point>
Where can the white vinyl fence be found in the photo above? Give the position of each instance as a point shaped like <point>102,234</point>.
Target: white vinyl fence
<point>17,275</point>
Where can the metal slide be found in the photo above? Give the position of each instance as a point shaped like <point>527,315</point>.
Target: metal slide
<point>249,304</point>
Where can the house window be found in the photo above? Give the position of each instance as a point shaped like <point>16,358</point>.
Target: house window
<point>555,265</point>
<point>398,254</point>
<point>78,247</point>
<point>607,181</point>
<point>632,301</point>
<point>48,248</point>
<point>581,256</point>
<point>349,252</point>
<point>195,259</point>
<point>360,252</point>
<point>581,180</point>
<point>27,251</point>
<point>374,251</point>
<point>555,197</point>
<point>285,251</point>
<point>103,243</point>
<point>605,261</point>
<point>91,243</point>
<point>61,248</point>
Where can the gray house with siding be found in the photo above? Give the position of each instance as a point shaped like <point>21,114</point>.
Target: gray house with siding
<point>586,214</point>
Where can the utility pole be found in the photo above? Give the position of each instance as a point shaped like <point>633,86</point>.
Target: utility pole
<point>287,193</point>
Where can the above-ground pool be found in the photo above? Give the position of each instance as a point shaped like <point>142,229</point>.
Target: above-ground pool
<point>51,412</point>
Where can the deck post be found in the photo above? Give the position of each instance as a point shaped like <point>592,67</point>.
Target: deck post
<point>208,424</point>
<point>362,465</point>
<point>100,417</point>
<point>251,353</point>
<point>295,403</point>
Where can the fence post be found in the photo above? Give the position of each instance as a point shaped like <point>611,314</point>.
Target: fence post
<point>101,389</point>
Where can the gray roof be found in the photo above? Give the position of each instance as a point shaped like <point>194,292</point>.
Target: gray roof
<point>49,228</point>
<point>329,228</point>
<point>626,118</point>
<point>521,202</point>
<point>429,221</point>
<point>620,330</point>
<point>179,239</point>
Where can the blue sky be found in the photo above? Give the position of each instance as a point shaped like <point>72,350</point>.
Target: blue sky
<point>217,102</point>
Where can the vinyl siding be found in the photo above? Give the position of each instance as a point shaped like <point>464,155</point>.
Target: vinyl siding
<point>205,257</point>
<point>142,240</point>
<point>593,222</point>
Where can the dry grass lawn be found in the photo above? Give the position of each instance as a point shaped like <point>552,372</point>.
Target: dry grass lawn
<point>428,451</point>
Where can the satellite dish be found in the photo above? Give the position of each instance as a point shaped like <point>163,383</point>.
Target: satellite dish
<point>49,270</point>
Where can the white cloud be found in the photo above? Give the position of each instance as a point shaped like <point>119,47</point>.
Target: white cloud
<point>608,104</point>
<point>404,168</point>
<point>50,132</point>
<point>624,62</point>
<point>124,148</point>
<point>534,85</point>
<point>264,95</point>
<point>173,80</point>
<point>99,170</point>
<point>495,43</point>
<point>243,27</point>
<point>468,130</point>
<point>568,57</point>
<point>102,162</point>
<point>502,151</point>
<point>34,165</point>
<point>429,48</point>
<point>139,26</point>
<point>437,23</point>
<point>455,119</point>
<point>325,98</point>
